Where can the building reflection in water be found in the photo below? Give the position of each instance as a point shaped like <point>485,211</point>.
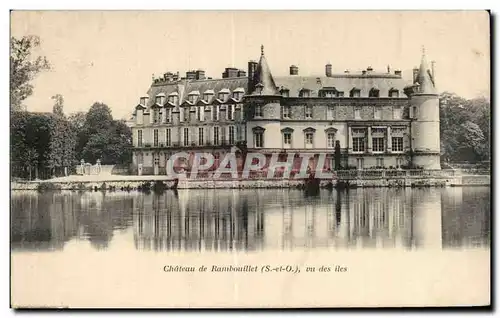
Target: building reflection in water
<point>252,220</point>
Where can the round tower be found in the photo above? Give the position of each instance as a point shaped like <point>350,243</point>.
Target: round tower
<point>263,109</point>
<point>424,111</point>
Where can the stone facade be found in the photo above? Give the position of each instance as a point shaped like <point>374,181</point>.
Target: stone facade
<point>378,119</point>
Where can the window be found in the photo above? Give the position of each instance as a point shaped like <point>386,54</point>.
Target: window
<point>230,112</point>
<point>206,97</point>
<point>374,92</point>
<point>414,112</point>
<point>380,162</point>
<point>285,111</point>
<point>309,138</point>
<point>216,136</point>
<point>258,111</point>
<point>378,144</point>
<point>168,115</point>
<point>329,112</point>
<point>155,137</point>
<point>156,113</point>
<point>216,113</point>
<point>355,93</point>
<point>340,94</point>
<point>200,136</point>
<point>287,138</point>
<point>308,112</point>
<point>173,99</point>
<point>358,144</point>
<point>399,162</point>
<point>397,144</point>
<point>357,113</point>
<point>201,113</point>
<point>331,140</point>
<point>394,93</point>
<point>360,163</point>
<point>186,136</point>
<point>285,93</point>
<point>168,137</point>
<point>238,95</point>
<point>231,135</point>
<point>377,113</point>
<point>258,138</point>
<point>328,93</point>
<point>223,96</point>
<point>305,93</point>
<point>396,112</point>
<point>139,138</point>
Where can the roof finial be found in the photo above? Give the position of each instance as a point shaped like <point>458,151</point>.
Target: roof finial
<point>423,50</point>
<point>262,49</point>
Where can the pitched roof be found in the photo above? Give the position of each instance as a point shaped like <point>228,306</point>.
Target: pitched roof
<point>424,78</point>
<point>263,78</point>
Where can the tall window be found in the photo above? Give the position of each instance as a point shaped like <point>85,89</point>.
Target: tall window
<point>155,137</point>
<point>168,115</point>
<point>331,140</point>
<point>330,112</point>
<point>200,136</point>
<point>309,138</point>
<point>285,111</point>
<point>216,113</point>
<point>231,135</point>
<point>377,113</point>
<point>378,144</point>
<point>258,138</point>
<point>397,144</point>
<point>396,112</point>
<point>358,144</point>
<point>357,113</point>
<point>287,138</point>
<point>201,113</point>
<point>258,110</point>
<point>308,112</point>
<point>230,112</point>
<point>139,138</point>
<point>216,136</point>
<point>168,137</point>
<point>186,136</point>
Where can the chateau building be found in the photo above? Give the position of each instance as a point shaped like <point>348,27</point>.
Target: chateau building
<point>371,119</point>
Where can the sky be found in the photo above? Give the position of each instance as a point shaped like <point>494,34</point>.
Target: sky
<point>110,56</point>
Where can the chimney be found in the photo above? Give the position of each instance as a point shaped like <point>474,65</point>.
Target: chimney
<point>388,69</point>
<point>369,69</point>
<point>175,77</point>
<point>415,74</point>
<point>200,74</point>
<point>242,73</point>
<point>397,72</point>
<point>346,72</point>
<point>252,67</point>
<point>294,70</point>
<point>363,72</point>
<point>328,70</point>
<point>191,75</point>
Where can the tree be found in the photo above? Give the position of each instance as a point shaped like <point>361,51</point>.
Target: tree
<point>23,68</point>
<point>465,128</point>
<point>57,109</point>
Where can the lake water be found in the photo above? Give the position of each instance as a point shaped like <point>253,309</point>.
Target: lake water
<point>221,221</point>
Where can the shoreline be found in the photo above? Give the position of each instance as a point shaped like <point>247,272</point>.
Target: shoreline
<point>145,183</point>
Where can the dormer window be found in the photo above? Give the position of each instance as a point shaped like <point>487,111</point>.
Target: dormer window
<point>173,98</point>
<point>258,88</point>
<point>192,98</point>
<point>374,92</point>
<point>355,92</point>
<point>305,93</point>
<point>328,93</point>
<point>394,93</point>
<point>285,92</point>
<point>207,96</point>
<point>143,100</point>
<point>222,96</point>
<point>238,95</point>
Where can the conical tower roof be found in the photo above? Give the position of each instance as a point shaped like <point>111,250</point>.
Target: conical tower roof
<point>263,79</point>
<point>424,78</point>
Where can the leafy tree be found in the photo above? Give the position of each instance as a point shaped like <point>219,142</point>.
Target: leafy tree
<point>57,109</point>
<point>23,68</point>
<point>465,128</point>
